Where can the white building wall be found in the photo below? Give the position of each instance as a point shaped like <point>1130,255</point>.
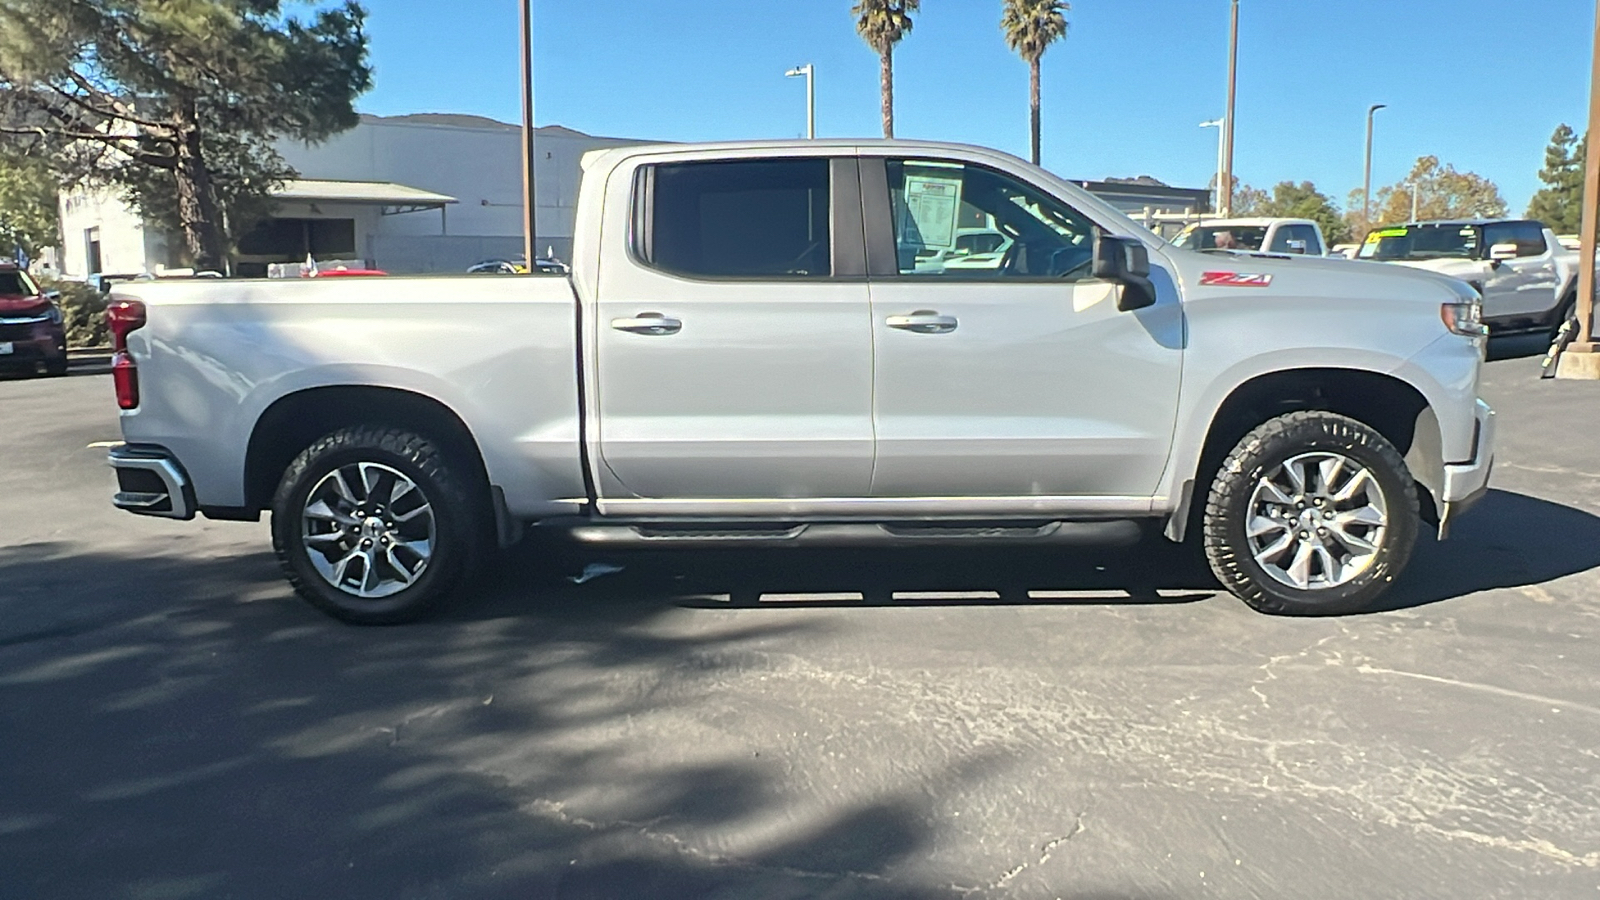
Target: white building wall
<point>123,238</point>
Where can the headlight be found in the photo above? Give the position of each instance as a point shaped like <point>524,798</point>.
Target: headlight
<point>1465,318</point>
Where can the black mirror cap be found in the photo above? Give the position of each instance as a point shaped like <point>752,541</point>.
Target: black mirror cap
<point>1126,262</point>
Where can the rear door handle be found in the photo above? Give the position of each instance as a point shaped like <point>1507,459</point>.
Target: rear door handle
<point>923,321</point>
<point>648,323</point>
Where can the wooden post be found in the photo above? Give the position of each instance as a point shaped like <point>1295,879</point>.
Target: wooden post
<point>1581,359</point>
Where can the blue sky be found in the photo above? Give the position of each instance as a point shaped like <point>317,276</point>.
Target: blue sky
<point>1480,83</point>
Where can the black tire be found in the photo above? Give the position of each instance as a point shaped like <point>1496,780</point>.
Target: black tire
<point>458,519</point>
<point>1262,452</point>
<point>56,369</point>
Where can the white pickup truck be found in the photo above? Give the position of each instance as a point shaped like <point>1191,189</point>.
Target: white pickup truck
<point>1528,278</point>
<point>746,351</point>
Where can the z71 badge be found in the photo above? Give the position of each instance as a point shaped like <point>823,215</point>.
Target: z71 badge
<point>1234,279</point>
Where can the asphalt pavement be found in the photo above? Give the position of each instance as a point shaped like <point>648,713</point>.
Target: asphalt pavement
<point>174,723</point>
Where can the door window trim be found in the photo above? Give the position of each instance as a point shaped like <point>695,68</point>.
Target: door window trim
<point>847,251</point>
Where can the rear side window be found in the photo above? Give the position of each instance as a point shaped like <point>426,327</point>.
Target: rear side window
<point>737,218</point>
<point>1528,236</point>
<point>1303,236</point>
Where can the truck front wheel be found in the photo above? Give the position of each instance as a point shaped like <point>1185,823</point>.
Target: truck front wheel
<point>375,525</point>
<point>1312,513</point>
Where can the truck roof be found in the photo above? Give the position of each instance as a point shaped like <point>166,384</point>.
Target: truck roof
<point>1499,221</point>
<point>1254,221</point>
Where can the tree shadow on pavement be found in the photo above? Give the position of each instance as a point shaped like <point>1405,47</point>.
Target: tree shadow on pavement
<point>201,733</point>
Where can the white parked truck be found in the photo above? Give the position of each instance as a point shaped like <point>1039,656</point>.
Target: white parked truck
<point>1262,234</point>
<point>746,351</point>
<point>1528,278</point>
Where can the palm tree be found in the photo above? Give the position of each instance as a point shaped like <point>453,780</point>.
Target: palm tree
<point>882,24</point>
<point>1030,27</point>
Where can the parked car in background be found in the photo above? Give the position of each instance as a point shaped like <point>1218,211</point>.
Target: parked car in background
<point>518,266</point>
<point>32,337</point>
<point>1529,281</point>
<point>1301,237</point>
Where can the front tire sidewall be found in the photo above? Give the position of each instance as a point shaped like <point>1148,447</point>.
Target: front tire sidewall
<point>1228,547</point>
<point>454,537</point>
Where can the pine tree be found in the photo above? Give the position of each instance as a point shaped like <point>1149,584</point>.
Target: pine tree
<point>1559,205</point>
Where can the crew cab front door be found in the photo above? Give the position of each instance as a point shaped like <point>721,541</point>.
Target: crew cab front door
<point>1009,375</point>
<point>1527,284</point>
<point>733,338</point>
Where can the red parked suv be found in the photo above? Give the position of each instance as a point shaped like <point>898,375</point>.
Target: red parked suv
<point>31,335</point>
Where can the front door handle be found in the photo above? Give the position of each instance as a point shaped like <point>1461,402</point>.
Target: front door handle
<point>923,321</point>
<point>648,323</point>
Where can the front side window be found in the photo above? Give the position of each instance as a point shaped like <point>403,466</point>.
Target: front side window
<point>958,221</point>
<point>739,219</point>
<point>1528,236</point>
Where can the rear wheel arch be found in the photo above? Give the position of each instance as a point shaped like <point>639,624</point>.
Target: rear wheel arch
<point>295,421</point>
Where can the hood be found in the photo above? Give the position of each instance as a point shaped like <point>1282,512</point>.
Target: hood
<point>1464,269</point>
<point>17,305</point>
<point>1316,276</point>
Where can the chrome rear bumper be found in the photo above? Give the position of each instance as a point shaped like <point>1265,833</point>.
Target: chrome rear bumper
<point>151,482</point>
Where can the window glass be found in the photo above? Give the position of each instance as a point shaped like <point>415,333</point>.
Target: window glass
<point>1309,235</point>
<point>741,218</point>
<point>958,221</point>
<point>1281,239</point>
<point>14,283</point>
<point>1422,242</point>
<point>1528,236</point>
<point>1222,237</point>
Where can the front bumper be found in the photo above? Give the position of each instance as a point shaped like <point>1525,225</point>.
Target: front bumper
<point>151,482</point>
<point>32,343</point>
<point>1467,483</point>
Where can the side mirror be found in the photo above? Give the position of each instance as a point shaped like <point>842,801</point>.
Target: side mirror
<point>1126,262</point>
<point>52,296</point>
<point>1503,252</point>
<point>1297,247</point>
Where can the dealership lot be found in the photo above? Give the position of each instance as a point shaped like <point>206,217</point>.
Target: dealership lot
<point>795,723</point>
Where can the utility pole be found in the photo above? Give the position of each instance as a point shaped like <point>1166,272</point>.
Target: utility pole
<point>530,221</point>
<point>1366,179</point>
<point>1225,185</point>
<point>1591,200</point>
<point>810,73</point>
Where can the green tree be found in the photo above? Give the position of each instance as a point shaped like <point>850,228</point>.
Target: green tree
<point>177,102</point>
<point>1559,205</point>
<point>1290,200</point>
<point>1441,193</point>
<point>883,24</point>
<point>29,204</point>
<point>1030,27</point>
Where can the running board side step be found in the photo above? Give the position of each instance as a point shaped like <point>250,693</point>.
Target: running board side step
<point>1099,533</point>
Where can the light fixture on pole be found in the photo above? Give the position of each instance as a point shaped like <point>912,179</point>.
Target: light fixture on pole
<point>1366,179</point>
<point>530,224</point>
<point>1216,204</point>
<point>810,73</point>
<point>1225,183</point>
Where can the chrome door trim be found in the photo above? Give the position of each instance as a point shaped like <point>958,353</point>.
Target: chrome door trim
<point>892,507</point>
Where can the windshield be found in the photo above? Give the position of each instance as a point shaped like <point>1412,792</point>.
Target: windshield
<point>1423,242</point>
<point>16,283</point>
<point>1222,237</point>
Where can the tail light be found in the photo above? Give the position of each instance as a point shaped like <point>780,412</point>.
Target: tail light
<point>124,317</point>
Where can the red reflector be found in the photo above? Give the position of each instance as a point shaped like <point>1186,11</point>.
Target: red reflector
<point>123,317</point>
<point>125,376</point>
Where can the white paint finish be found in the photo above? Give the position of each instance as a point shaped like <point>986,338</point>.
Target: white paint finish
<point>122,235</point>
<point>1042,389</point>
<point>871,508</point>
<point>497,352</point>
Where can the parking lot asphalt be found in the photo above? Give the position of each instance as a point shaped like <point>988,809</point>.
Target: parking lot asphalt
<point>175,723</point>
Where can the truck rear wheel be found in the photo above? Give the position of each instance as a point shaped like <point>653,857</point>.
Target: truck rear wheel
<point>1312,513</point>
<point>376,526</point>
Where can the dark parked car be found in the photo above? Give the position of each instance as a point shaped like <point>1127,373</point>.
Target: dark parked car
<point>31,335</point>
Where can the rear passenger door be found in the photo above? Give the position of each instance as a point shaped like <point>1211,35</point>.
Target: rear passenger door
<point>734,339</point>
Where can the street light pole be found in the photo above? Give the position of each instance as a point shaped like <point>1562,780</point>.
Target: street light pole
<point>1225,183</point>
<point>1366,179</point>
<point>810,72</point>
<point>1216,205</point>
<point>1414,188</point>
<point>530,223</point>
